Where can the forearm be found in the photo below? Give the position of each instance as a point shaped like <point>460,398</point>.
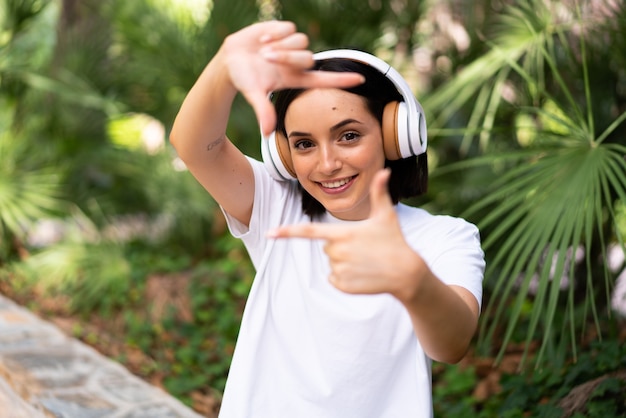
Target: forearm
<point>199,136</point>
<point>200,125</point>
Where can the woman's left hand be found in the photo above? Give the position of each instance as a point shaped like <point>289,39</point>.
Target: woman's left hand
<point>367,257</point>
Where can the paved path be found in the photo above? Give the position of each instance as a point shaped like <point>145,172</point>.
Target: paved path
<point>45,374</point>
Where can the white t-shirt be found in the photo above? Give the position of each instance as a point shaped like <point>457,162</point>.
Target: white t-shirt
<point>306,349</point>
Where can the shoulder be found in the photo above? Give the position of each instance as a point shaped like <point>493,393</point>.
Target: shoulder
<point>276,202</point>
<point>266,185</point>
<point>435,235</point>
<point>416,219</point>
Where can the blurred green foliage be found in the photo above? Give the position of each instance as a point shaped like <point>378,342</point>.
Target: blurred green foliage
<point>525,102</point>
<point>597,376</point>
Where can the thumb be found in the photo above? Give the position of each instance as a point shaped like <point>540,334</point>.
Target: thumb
<point>380,199</point>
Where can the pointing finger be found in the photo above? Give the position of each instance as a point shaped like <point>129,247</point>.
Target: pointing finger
<point>309,231</point>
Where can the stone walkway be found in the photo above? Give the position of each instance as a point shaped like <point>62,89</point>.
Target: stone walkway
<point>44,374</point>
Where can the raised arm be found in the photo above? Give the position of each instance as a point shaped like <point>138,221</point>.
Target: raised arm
<point>255,61</point>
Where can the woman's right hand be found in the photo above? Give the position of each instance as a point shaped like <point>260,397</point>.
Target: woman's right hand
<point>272,55</point>
<point>255,61</point>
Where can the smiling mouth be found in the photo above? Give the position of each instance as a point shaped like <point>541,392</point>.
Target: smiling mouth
<point>337,183</point>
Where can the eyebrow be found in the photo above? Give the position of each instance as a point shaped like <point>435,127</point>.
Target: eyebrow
<point>332,128</point>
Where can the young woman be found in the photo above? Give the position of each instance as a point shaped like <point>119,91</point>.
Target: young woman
<point>355,293</point>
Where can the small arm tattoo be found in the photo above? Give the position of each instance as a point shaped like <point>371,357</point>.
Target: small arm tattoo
<point>214,144</point>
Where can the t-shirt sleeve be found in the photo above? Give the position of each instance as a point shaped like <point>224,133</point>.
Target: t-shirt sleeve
<point>461,260</point>
<point>270,196</point>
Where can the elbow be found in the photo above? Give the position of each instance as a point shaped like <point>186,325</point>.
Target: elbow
<point>452,356</point>
<point>456,357</point>
<point>180,150</point>
<point>180,144</point>
<point>179,135</point>
<point>453,351</point>
<point>174,138</point>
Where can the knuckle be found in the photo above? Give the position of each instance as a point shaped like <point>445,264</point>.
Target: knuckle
<point>341,271</point>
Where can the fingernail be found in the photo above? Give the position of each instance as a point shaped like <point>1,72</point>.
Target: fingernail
<point>271,233</point>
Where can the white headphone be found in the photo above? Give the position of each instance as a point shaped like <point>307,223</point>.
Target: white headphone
<point>403,127</point>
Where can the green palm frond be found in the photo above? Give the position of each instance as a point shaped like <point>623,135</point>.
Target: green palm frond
<point>72,89</point>
<point>521,36</point>
<point>95,274</point>
<point>27,191</point>
<point>540,211</point>
<point>550,213</point>
<point>524,30</point>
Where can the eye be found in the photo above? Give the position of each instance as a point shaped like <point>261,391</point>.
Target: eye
<point>303,144</point>
<point>350,136</point>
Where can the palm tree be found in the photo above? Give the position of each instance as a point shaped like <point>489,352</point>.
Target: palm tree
<point>30,188</point>
<point>547,109</point>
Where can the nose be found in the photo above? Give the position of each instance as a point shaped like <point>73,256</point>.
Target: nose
<point>329,160</point>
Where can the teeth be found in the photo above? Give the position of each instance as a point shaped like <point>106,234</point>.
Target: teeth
<point>335,184</point>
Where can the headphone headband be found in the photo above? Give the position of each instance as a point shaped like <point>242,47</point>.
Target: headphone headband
<point>354,55</point>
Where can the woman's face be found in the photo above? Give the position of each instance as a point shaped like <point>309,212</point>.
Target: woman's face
<point>336,148</point>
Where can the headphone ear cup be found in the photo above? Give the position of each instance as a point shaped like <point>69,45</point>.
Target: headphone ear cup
<point>396,135</point>
<point>282,145</point>
<point>403,137</point>
<point>390,131</point>
<point>276,157</point>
